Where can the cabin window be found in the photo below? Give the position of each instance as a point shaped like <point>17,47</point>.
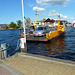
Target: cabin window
<point>61,23</point>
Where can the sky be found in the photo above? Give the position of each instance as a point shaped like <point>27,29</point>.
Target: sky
<point>11,10</point>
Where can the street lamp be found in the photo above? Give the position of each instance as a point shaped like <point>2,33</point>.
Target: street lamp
<point>42,19</point>
<point>36,15</point>
<point>55,19</point>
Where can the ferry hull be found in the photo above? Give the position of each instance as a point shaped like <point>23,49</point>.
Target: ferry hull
<point>55,34</point>
<point>48,37</point>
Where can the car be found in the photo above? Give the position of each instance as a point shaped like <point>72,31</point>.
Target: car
<point>41,31</point>
<point>30,31</point>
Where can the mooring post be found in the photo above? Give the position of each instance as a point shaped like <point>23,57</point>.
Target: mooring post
<point>4,51</point>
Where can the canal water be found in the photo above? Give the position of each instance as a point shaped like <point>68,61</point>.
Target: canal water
<point>62,48</point>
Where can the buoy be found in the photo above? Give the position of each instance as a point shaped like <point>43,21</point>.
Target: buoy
<point>22,36</point>
<point>60,27</point>
<point>22,43</point>
<point>19,32</point>
<point>28,34</point>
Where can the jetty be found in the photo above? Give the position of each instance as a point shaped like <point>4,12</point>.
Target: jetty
<point>29,64</point>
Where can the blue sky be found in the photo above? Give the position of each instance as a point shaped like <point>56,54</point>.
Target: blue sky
<point>11,10</point>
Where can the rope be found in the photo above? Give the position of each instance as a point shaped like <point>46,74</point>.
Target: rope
<point>3,49</point>
<point>18,46</point>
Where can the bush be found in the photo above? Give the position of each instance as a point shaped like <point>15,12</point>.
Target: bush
<point>13,25</point>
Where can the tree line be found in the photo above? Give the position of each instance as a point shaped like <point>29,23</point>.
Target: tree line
<point>14,25</point>
<point>18,24</point>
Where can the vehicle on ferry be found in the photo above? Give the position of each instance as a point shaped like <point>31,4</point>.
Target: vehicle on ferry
<point>41,31</point>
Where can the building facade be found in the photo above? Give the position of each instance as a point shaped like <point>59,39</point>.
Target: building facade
<point>49,22</point>
<point>2,25</point>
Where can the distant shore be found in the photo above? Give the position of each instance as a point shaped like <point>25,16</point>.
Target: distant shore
<point>9,28</point>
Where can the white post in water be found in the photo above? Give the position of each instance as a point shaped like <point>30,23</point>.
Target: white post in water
<point>24,28</point>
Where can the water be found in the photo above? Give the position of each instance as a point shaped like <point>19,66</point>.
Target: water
<point>10,37</point>
<point>63,48</point>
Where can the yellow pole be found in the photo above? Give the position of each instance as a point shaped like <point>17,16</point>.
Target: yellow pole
<point>42,19</point>
<point>36,15</point>
<point>55,19</point>
<point>55,22</point>
<point>34,25</point>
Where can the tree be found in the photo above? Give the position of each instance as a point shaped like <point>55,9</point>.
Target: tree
<point>12,25</point>
<point>6,27</point>
<point>19,23</point>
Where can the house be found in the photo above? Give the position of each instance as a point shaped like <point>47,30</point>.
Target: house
<point>38,23</point>
<point>2,25</point>
<point>49,22</point>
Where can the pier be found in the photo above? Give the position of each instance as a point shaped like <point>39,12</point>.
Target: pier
<point>29,64</point>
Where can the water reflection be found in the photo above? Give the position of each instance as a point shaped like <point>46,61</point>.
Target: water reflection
<point>56,46</point>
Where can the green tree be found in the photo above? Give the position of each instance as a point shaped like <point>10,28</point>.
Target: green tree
<point>19,23</point>
<point>6,27</point>
<point>12,25</point>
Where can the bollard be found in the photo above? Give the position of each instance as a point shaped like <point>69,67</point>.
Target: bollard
<point>4,52</point>
<point>22,45</point>
<point>0,53</point>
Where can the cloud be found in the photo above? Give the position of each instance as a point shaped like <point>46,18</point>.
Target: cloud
<point>38,8</point>
<point>57,14</point>
<point>51,2</point>
<point>64,17</point>
<point>70,19</point>
<point>61,16</point>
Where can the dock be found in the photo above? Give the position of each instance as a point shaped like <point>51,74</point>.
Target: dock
<point>29,64</point>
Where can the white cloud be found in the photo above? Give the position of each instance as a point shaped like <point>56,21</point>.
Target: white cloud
<point>38,8</point>
<point>52,2</point>
<point>57,14</point>
<point>62,16</point>
<point>69,19</point>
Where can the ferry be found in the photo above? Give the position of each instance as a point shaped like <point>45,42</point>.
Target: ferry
<point>59,31</point>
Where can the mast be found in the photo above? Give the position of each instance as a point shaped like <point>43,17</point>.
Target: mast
<point>24,26</point>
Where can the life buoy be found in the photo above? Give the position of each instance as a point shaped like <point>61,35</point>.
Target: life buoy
<point>60,27</point>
